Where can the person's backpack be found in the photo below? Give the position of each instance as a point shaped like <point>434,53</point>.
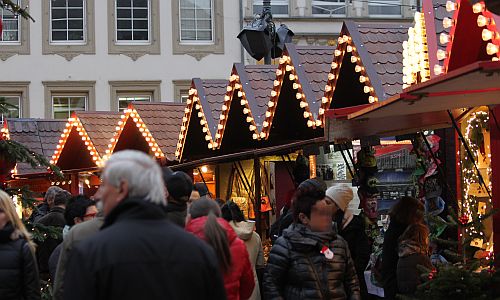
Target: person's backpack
<point>280,224</point>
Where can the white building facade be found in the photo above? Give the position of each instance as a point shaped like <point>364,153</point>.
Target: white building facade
<point>98,55</point>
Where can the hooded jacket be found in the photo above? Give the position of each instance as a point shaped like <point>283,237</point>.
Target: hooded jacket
<point>296,268</point>
<point>54,218</point>
<point>252,241</point>
<point>239,280</point>
<point>18,269</point>
<point>140,255</point>
<point>410,256</point>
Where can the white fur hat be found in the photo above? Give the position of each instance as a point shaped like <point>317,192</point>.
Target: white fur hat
<point>340,194</point>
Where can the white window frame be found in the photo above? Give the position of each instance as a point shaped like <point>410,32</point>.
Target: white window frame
<point>134,95</point>
<point>67,42</point>
<point>273,3</point>
<point>391,3</point>
<point>212,24</point>
<point>132,42</point>
<point>62,95</point>
<point>19,31</point>
<point>19,105</point>
<point>332,14</point>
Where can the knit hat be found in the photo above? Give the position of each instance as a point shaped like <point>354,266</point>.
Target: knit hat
<point>179,185</point>
<point>341,195</point>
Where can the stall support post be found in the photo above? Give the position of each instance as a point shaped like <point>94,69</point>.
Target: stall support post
<point>256,207</point>
<point>495,178</point>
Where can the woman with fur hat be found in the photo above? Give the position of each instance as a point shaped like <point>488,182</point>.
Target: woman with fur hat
<point>18,268</point>
<point>351,228</point>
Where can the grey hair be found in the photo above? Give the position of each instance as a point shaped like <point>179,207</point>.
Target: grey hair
<point>140,171</point>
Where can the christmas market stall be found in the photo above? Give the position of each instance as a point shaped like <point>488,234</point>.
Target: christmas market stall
<point>462,93</point>
<point>40,136</point>
<point>148,127</point>
<point>82,147</point>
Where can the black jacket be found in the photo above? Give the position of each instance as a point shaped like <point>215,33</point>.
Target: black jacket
<point>390,258</point>
<point>18,270</point>
<point>297,270</point>
<point>408,275</point>
<point>140,255</point>
<point>355,235</point>
<point>54,218</point>
<point>177,213</point>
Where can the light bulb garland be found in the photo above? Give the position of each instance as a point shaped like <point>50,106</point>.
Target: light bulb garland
<point>75,126</point>
<point>194,106</point>
<point>415,53</point>
<point>476,201</point>
<point>131,114</point>
<point>345,47</point>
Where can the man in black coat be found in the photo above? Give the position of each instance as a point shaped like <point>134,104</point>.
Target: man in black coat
<point>56,219</point>
<point>138,254</point>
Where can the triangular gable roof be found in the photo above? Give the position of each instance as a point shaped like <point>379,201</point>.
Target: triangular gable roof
<point>40,136</point>
<point>92,131</point>
<point>307,66</point>
<point>367,66</point>
<point>150,127</point>
<point>250,86</point>
<point>206,99</point>
<point>474,36</point>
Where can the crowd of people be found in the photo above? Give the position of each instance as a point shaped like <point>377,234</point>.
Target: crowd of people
<point>150,233</point>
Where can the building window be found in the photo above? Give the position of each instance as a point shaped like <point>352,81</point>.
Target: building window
<point>11,25</point>
<point>124,92</point>
<point>132,21</point>
<point>124,100</point>
<point>12,105</point>
<point>279,8</point>
<point>64,105</point>
<point>196,21</point>
<point>134,27</point>
<point>15,34</point>
<point>384,8</point>
<point>181,90</point>
<point>328,8</point>
<point>62,98</point>
<point>198,27</point>
<point>67,22</point>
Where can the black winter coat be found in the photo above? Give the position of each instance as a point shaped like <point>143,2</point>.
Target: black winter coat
<point>138,254</point>
<point>177,213</point>
<point>390,258</point>
<point>297,270</point>
<point>18,270</point>
<point>355,235</point>
<point>54,218</point>
<point>408,275</point>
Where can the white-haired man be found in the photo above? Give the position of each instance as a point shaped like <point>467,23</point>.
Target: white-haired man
<point>138,254</point>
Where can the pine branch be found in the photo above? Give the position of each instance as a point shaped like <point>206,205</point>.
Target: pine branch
<point>16,9</point>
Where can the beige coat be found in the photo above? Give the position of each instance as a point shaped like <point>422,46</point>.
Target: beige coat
<point>77,233</point>
<point>245,231</point>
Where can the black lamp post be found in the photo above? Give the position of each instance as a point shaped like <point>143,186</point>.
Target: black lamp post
<point>261,39</point>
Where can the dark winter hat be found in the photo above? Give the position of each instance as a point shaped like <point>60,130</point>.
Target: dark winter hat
<point>179,185</point>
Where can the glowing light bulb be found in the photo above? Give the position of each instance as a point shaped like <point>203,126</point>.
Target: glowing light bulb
<point>270,103</point>
<point>324,100</point>
<point>438,70</point>
<point>441,54</point>
<point>354,59</point>
<point>482,21</point>
<point>273,93</point>
<point>447,22</point>
<point>486,34</point>
<point>334,65</point>
<point>303,104</point>
<point>337,52</point>
<point>444,38</point>
<point>291,77</point>
<point>298,96</point>
<point>491,49</point>
<point>331,76</point>
<point>306,114</point>
<point>252,127</point>
<point>478,7</point>
<point>450,6</point>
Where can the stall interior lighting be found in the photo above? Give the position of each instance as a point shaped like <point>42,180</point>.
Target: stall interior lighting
<point>415,54</point>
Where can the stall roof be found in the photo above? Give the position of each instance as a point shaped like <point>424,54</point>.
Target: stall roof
<point>100,127</point>
<point>155,127</point>
<point>423,106</point>
<point>206,97</point>
<point>39,135</point>
<point>306,69</point>
<point>250,86</point>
